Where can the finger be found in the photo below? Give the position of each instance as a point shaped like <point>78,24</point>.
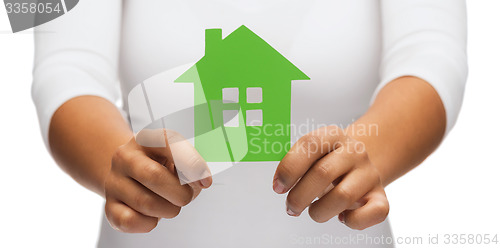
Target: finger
<point>170,148</point>
<point>352,188</point>
<point>191,167</point>
<point>331,186</point>
<point>157,178</point>
<point>327,189</point>
<point>303,154</point>
<point>373,212</point>
<point>141,199</point>
<point>155,144</point>
<point>124,219</point>
<point>359,203</point>
<point>319,177</point>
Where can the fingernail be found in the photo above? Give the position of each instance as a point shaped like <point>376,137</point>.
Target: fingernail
<point>342,218</point>
<point>278,187</point>
<point>206,182</point>
<point>291,213</point>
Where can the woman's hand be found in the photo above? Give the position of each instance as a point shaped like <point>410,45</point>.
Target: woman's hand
<point>329,165</point>
<point>143,185</point>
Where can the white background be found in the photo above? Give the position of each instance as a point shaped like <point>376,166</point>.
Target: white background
<point>453,191</point>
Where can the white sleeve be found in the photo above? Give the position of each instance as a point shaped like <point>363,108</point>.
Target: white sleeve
<point>76,54</point>
<point>427,39</point>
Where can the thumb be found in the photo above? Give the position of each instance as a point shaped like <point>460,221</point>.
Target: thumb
<point>174,151</point>
<point>155,144</point>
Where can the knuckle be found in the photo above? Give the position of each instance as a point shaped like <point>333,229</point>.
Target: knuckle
<point>361,155</point>
<point>323,170</point>
<point>144,203</point>
<point>125,221</point>
<point>364,154</point>
<point>353,157</point>
<point>345,194</point>
<point>338,146</point>
<point>375,176</point>
<point>152,171</point>
<point>357,151</point>
<point>122,221</point>
<point>124,160</point>
<point>121,153</point>
<point>310,141</point>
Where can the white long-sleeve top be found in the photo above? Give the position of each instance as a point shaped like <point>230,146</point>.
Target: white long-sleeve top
<point>349,49</point>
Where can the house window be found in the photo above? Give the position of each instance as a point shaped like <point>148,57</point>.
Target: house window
<point>254,95</point>
<point>230,95</point>
<point>254,117</point>
<point>231,118</point>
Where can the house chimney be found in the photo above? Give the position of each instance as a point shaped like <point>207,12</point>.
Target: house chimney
<point>213,38</point>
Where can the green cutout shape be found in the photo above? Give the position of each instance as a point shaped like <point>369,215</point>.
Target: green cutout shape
<point>242,60</point>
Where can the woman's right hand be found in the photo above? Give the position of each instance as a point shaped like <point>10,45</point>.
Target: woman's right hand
<point>143,186</point>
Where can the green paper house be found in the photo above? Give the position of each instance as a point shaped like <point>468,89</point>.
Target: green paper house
<point>242,92</point>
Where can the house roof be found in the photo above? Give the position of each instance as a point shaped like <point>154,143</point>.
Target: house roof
<point>241,54</point>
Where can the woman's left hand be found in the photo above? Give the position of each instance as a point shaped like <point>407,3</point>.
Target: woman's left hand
<point>330,165</point>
